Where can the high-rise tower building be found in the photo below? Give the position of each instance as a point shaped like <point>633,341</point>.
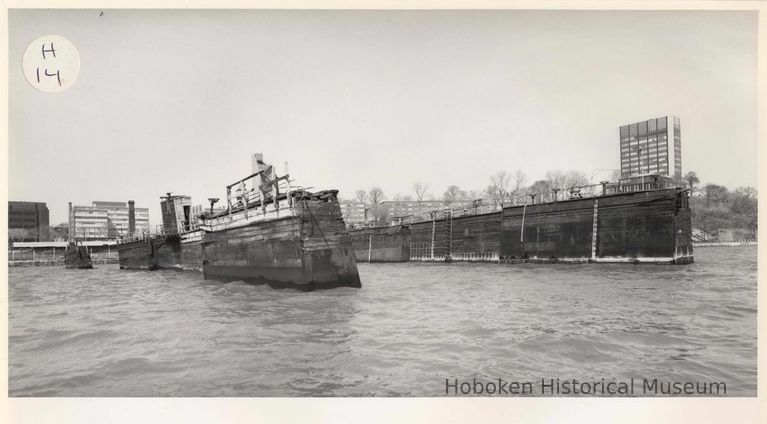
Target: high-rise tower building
<point>652,147</point>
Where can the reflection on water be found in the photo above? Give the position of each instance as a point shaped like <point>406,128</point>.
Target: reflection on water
<point>110,332</point>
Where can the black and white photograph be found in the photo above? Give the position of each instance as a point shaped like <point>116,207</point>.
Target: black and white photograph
<point>307,203</point>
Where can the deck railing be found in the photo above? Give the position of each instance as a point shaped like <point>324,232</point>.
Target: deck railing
<point>259,190</point>
<point>479,207</point>
<point>249,197</point>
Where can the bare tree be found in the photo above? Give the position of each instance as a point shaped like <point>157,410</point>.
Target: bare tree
<point>420,190</point>
<point>361,196</point>
<point>714,193</point>
<point>541,189</point>
<point>518,179</point>
<point>563,181</point>
<point>21,234</point>
<point>474,195</point>
<point>556,180</point>
<point>498,190</point>
<point>747,192</point>
<point>382,215</point>
<point>375,197</point>
<point>692,179</point>
<point>452,194</point>
<point>575,178</point>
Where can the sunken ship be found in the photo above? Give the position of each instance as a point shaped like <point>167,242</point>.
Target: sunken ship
<point>76,255</point>
<point>269,232</point>
<point>646,222</point>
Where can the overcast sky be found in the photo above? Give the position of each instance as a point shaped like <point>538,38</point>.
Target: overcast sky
<point>177,101</point>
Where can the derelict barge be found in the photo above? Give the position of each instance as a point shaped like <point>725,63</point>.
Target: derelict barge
<point>269,233</point>
<point>649,225</point>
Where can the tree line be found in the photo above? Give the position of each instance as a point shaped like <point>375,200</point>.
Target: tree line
<point>503,188</point>
<point>720,214</point>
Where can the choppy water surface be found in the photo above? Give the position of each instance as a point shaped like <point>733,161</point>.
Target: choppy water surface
<point>111,332</point>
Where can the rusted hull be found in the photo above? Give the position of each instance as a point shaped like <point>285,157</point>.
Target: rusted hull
<point>382,244</point>
<point>161,253</point>
<point>309,250</point>
<point>639,227</point>
<point>190,258</point>
<point>150,254</point>
<point>316,271</point>
<point>136,255</point>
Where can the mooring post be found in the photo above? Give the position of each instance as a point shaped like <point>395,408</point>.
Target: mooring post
<point>370,248</point>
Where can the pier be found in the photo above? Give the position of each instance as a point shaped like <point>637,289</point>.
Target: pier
<point>52,252</point>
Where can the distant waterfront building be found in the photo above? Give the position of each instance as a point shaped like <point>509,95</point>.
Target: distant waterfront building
<point>106,220</point>
<point>403,208</point>
<point>28,221</point>
<point>459,205</point>
<point>354,213</point>
<point>652,147</point>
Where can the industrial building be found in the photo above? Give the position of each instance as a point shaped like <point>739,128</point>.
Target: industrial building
<point>28,221</point>
<point>106,220</point>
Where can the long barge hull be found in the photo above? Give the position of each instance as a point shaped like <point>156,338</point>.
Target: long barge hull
<point>307,248</point>
<point>163,252</point>
<point>634,227</point>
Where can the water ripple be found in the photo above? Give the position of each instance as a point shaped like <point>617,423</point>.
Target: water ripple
<point>110,332</point>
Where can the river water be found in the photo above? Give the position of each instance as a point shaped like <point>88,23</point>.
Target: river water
<point>112,332</point>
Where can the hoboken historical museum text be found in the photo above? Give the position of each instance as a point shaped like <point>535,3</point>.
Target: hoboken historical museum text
<point>577,387</point>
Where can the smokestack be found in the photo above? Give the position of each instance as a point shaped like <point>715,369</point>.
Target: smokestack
<point>71,229</point>
<point>131,218</point>
<point>256,160</point>
<point>258,165</point>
